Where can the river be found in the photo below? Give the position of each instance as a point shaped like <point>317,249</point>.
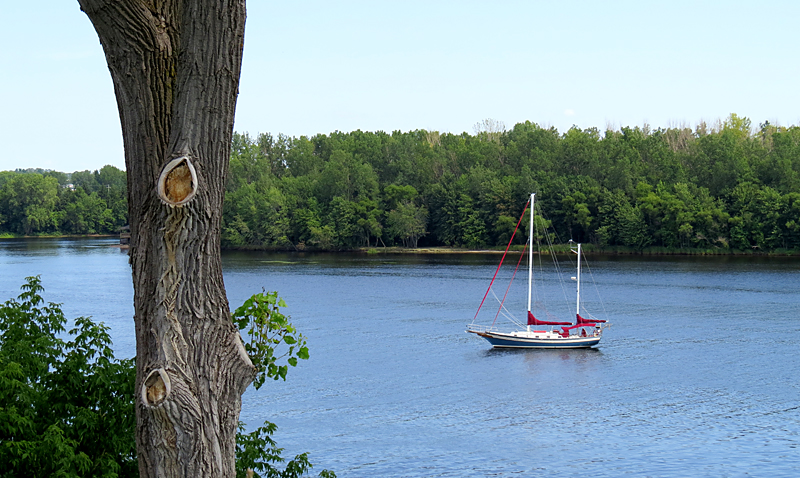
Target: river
<point>698,376</point>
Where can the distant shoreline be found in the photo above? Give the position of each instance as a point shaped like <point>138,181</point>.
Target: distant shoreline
<point>57,236</point>
<point>589,249</point>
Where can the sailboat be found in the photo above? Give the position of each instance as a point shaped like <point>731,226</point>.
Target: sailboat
<point>584,333</point>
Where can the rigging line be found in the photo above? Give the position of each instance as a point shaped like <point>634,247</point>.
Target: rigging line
<point>594,283</point>
<point>507,314</point>
<point>540,276</point>
<point>556,263</point>
<point>501,261</point>
<point>509,283</point>
<point>513,320</point>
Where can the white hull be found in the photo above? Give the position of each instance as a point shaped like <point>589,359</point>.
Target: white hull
<point>536,339</point>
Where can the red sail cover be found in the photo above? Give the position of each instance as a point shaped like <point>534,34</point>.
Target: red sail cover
<point>581,320</point>
<point>534,321</point>
<point>567,329</point>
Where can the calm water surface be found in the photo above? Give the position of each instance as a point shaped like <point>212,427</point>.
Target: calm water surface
<point>698,376</point>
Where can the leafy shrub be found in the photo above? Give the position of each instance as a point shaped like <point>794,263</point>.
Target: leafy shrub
<point>266,329</point>
<point>67,405</point>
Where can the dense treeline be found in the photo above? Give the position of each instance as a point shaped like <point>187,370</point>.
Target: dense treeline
<point>36,202</point>
<point>727,187</point>
<point>730,187</point>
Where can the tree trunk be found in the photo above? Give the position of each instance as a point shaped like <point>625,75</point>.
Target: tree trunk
<point>175,65</point>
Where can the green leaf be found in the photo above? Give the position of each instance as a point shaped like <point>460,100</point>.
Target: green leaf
<point>303,353</point>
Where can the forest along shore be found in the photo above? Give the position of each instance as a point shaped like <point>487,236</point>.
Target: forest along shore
<point>725,188</point>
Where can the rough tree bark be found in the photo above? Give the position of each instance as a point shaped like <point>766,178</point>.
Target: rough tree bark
<point>175,65</point>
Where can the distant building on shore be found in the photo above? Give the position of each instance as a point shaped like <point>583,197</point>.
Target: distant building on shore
<point>125,235</point>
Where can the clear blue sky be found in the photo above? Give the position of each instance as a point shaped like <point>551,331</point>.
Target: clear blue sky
<point>319,66</point>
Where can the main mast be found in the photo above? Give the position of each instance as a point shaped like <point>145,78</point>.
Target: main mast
<point>578,300</point>
<point>530,256</point>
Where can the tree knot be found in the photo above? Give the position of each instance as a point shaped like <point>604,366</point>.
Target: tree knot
<point>157,387</point>
<point>177,184</point>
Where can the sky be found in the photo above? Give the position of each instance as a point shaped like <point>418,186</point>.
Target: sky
<point>318,66</point>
